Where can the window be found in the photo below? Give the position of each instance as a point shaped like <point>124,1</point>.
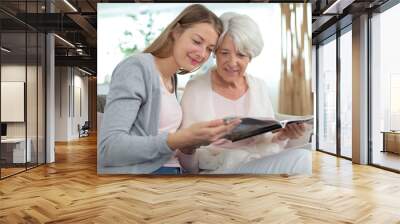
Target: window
<point>385,87</point>
<point>22,65</point>
<point>346,94</point>
<point>327,97</point>
<point>394,102</point>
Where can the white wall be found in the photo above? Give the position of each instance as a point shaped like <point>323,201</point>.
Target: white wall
<point>16,73</point>
<point>33,126</point>
<point>79,117</point>
<point>61,103</point>
<point>69,85</point>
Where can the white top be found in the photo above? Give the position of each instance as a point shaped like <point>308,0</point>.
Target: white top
<point>198,105</point>
<point>225,107</point>
<point>170,117</point>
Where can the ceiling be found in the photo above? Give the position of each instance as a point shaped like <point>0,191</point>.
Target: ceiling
<point>328,16</point>
<point>75,23</point>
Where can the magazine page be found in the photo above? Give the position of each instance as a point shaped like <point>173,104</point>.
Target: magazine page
<point>302,119</point>
<point>250,127</point>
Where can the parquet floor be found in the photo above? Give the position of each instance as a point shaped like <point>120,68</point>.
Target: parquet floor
<point>70,191</point>
<point>10,171</point>
<point>387,159</point>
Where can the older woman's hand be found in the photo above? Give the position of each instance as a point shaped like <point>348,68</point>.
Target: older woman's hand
<point>291,131</point>
<point>202,133</point>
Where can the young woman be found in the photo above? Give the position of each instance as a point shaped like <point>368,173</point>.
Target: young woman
<point>141,117</point>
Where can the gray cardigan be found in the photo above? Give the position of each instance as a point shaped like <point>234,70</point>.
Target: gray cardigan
<point>129,141</point>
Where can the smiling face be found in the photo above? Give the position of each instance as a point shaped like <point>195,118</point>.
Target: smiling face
<point>231,64</point>
<point>194,45</point>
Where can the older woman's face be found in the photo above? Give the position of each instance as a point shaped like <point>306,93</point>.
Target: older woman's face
<point>231,64</point>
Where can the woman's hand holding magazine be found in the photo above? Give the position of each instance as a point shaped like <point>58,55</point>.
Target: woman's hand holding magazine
<point>250,127</point>
<point>290,131</point>
<point>201,134</point>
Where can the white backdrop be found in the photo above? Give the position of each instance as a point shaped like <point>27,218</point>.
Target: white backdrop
<point>12,101</point>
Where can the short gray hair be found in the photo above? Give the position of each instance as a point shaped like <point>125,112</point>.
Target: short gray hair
<point>244,32</point>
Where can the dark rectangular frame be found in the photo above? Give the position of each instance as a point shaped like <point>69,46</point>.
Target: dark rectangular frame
<point>340,29</point>
<point>44,71</point>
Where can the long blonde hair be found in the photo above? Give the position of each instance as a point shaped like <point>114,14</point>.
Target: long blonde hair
<point>193,14</point>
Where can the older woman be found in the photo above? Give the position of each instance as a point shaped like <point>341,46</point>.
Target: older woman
<point>227,90</point>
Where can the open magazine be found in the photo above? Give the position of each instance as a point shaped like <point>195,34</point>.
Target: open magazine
<point>250,127</point>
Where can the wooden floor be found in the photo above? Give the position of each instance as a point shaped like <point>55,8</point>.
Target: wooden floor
<point>10,171</point>
<point>70,191</point>
<point>387,159</point>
